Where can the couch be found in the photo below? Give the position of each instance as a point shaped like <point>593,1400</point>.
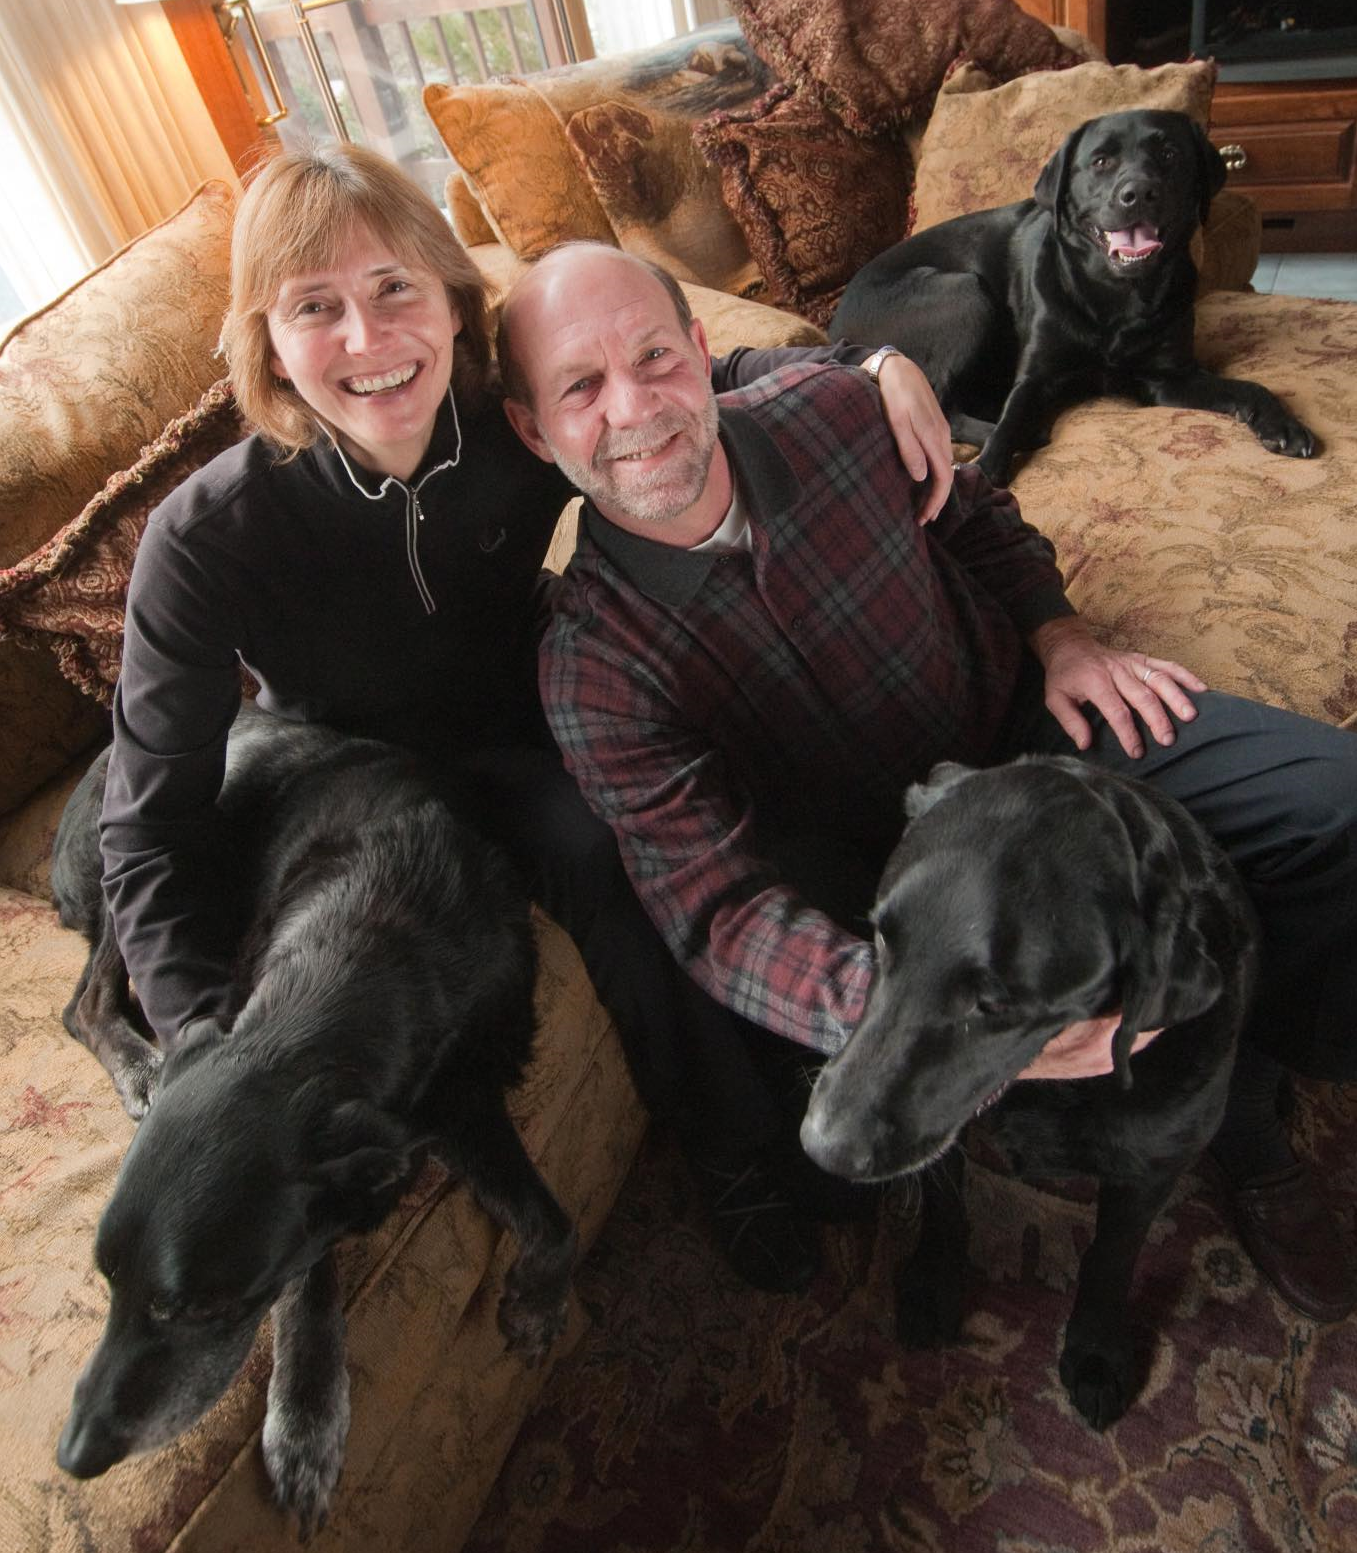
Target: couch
<point>761,178</point>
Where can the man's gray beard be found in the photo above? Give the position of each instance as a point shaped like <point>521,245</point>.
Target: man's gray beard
<point>669,492</point>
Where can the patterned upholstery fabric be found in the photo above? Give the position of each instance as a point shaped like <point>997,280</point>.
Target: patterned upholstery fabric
<point>468,218</point>
<point>69,594</point>
<point>985,143</point>
<point>664,202</point>
<point>1178,532</point>
<point>84,383</point>
<point>604,150</point>
<point>514,156</point>
<point>436,1400</point>
<point>815,202</point>
<point>876,64</point>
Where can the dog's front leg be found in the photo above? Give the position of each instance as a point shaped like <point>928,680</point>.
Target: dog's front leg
<point>533,1309</point>
<point>1020,426</point>
<point>97,1016</point>
<point>307,1421</point>
<point>929,1288</point>
<point>1257,407</point>
<point>1097,1363</point>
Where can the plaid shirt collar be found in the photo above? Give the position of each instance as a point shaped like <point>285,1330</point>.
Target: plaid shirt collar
<point>673,576</point>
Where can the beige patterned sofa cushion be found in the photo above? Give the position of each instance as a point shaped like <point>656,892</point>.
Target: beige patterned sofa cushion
<point>84,383</point>
<point>1179,534</point>
<point>92,377</point>
<point>436,1401</point>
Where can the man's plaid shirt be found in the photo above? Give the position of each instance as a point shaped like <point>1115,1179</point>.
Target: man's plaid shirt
<point>703,700</point>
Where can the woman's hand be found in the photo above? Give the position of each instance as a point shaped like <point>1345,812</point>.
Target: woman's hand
<point>1081,671</point>
<point>920,429</point>
<point>1082,1050</point>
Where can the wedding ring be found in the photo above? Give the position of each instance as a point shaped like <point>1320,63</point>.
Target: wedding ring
<point>1145,677</point>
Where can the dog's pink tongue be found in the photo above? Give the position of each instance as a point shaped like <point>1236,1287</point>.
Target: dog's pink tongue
<point>1136,241</point>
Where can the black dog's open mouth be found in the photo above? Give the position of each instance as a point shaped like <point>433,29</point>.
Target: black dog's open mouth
<point>1132,245</point>
<point>993,1099</point>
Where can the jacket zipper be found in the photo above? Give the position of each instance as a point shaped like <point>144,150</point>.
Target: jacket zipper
<point>414,516</point>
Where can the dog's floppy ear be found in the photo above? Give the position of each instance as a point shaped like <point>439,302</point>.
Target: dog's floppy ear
<point>1054,178</point>
<point>1210,170</point>
<point>921,796</point>
<point>361,1150</point>
<point>1166,974</point>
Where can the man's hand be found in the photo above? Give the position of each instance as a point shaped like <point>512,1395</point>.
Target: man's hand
<point>1081,671</point>
<point>1082,1050</point>
<point>920,429</point>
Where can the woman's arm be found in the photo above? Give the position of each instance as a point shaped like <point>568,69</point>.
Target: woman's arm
<point>177,695</point>
<point>911,408</point>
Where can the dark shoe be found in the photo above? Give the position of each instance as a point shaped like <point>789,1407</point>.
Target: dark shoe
<point>1297,1243</point>
<point>767,1242</point>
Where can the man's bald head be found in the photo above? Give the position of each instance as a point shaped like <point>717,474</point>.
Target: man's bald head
<point>608,376</point>
<point>578,262</point>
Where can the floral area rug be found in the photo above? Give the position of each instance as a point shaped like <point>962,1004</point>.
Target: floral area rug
<point>699,1415</point>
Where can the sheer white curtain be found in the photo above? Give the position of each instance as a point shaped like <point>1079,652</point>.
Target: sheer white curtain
<point>102,134</point>
<point>617,25</point>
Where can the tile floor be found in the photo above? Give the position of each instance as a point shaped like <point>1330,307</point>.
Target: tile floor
<point>1308,275</point>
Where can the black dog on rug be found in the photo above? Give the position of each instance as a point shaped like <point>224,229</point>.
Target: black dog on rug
<point>1087,288</point>
<point>1021,900</point>
<point>385,987</point>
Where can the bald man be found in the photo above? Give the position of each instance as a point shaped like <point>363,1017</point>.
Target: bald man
<point>758,646</point>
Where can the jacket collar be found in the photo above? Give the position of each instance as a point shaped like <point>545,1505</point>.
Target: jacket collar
<point>342,476</point>
<point>673,576</point>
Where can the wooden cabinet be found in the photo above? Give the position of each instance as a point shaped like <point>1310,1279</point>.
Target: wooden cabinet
<point>1298,145</point>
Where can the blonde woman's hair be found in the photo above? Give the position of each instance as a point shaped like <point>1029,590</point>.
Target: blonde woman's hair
<point>297,215</point>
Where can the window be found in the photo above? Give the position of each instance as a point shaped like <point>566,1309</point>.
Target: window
<point>372,59</point>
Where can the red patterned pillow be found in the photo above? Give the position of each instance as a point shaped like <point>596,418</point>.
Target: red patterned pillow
<point>877,64</point>
<point>69,594</point>
<point>814,201</point>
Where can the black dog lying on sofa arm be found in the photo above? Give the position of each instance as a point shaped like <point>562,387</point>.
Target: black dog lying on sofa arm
<point>386,1005</point>
<point>1020,900</point>
<point>1086,288</point>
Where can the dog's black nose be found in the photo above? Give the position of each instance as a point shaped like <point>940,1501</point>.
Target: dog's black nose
<point>838,1150</point>
<point>1135,193</point>
<point>86,1449</point>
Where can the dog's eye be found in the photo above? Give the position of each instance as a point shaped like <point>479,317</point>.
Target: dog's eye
<point>992,1007</point>
<point>1101,163</point>
<point>158,1308</point>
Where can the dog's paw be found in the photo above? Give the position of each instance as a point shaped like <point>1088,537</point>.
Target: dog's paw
<point>928,1302</point>
<point>531,1318</point>
<point>1100,1380</point>
<point>303,1452</point>
<point>995,466</point>
<point>136,1080</point>
<point>1285,435</point>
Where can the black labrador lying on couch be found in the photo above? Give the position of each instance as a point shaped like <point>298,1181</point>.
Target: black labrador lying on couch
<point>385,987</point>
<point>1085,289</point>
<point>1020,900</point>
